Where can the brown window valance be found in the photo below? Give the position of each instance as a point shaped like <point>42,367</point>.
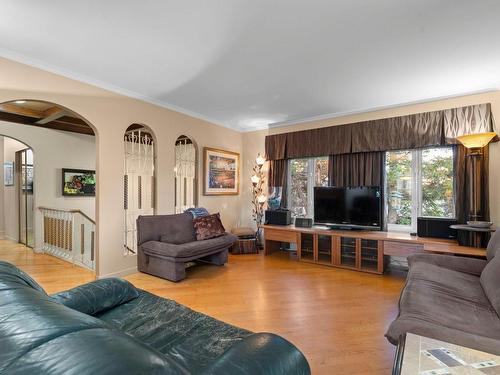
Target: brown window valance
<point>420,130</point>
<point>466,120</point>
<point>398,133</point>
<point>275,147</point>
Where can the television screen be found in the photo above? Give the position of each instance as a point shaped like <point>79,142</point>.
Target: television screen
<point>349,206</point>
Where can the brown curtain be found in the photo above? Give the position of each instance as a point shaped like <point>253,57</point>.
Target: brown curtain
<point>278,171</point>
<point>463,164</point>
<point>275,146</point>
<point>362,169</point>
<point>332,140</point>
<point>398,133</point>
<point>466,120</point>
<point>419,130</point>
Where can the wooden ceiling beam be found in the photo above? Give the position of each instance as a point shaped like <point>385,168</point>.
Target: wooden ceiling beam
<point>26,120</point>
<point>23,111</point>
<point>51,114</point>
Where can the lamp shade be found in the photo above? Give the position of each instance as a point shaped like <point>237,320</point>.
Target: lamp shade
<point>260,160</point>
<point>476,140</point>
<point>255,179</point>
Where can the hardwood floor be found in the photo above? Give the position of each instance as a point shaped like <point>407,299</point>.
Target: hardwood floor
<point>52,273</point>
<point>336,317</point>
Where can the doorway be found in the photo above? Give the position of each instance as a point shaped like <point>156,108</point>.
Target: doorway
<point>24,179</point>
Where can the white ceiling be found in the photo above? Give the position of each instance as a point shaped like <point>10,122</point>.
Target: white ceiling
<point>247,64</point>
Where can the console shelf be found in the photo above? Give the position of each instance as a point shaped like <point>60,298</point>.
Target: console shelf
<point>363,251</point>
<point>341,251</point>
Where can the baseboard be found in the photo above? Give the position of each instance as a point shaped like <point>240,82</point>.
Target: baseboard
<point>10,238</point>
<point>38,249</point>
<point>122,273</point>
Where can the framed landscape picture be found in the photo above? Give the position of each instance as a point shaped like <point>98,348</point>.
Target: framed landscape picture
<point>78,183</point>
<point>221,171</point>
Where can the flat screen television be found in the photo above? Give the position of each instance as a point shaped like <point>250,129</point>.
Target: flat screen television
<point>348,207</point>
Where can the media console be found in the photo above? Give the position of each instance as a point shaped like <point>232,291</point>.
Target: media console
<point>357,250</point>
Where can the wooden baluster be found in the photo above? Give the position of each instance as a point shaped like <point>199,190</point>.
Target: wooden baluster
<point>82,238</point>
<point>92,246</point>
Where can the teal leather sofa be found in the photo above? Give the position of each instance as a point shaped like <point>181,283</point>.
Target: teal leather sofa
<point>110,327</point>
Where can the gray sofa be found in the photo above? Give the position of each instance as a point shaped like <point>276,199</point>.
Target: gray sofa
<point>167,242</point>
<point>453,299</point>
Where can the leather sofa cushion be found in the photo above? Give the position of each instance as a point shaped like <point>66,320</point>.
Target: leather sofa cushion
<point>97,296</point>
<point>437,300</point>
<point>94,351</point>
<point>194,339</point>
<point>190,249</point>
<point>490,281</point>
<point>207,227</point>
<point>12,273</point>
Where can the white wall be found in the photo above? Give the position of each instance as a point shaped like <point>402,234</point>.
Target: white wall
<point>52,151</point>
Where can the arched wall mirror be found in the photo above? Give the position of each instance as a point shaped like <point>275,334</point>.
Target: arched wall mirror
<point>139,181</point>
<point>186,174</point>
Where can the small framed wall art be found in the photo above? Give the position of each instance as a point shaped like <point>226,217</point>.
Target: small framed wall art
<point>78,183</point>
<point>8,173</point>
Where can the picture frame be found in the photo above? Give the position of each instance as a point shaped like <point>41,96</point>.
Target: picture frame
<point>78,182</point>
<point>221,172</point>
<point>8,173</point>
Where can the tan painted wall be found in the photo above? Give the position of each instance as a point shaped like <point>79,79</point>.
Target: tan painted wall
<point>53,150</point>
<point>253,142</point>
<point>111,114</point>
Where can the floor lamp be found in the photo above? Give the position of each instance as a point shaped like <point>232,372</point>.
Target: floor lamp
<point>475,143</point>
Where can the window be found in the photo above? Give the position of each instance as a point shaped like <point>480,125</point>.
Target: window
<point>418,183</point>
<point>303,175</point>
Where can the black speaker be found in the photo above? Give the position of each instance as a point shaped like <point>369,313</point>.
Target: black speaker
<point>437,227</point>
<point>303,222</point>
<point>278,217</point>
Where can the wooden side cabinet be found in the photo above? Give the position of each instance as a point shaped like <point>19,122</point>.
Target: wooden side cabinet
<point>364,251</point>
<point>341,251</point>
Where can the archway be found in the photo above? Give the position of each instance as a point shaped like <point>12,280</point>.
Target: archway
<point>139,182</point>
<point>63,188</point>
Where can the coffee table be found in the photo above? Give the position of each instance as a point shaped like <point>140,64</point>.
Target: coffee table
<point>419,355</point>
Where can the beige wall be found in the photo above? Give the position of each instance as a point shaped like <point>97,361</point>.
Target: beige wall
<point>111,114</point>
<point>10,211</point>
<point>52,150</point>
<point>253,142</point>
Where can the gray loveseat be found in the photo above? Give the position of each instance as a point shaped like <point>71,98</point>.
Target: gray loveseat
<point>167,242</point>
<point>453,299</point>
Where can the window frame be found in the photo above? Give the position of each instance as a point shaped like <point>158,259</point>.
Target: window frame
<point>311,183</point>
<point>416,189</point>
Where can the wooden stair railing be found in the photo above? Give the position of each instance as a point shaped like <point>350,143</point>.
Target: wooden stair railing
<point>69,234</point>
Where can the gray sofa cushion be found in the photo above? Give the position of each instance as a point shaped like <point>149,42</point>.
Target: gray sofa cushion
<point>445,304</point>
<point>493,245</point>
<point>490,281</point>
<point>472,266</point>
<point>176,229</point>
<point>189,249</point>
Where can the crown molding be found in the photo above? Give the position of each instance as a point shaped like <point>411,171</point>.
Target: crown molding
<point>376,109</point>
<point>20,58</point>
